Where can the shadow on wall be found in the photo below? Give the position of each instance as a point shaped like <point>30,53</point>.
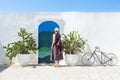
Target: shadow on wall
<point>3,58</point>
<point>87,49</point>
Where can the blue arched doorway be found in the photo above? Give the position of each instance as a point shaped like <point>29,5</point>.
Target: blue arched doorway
<point>46,30</point>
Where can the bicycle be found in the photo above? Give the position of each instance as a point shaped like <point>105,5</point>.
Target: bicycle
<point>107,59</point>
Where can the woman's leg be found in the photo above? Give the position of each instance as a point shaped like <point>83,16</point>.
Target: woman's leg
<point>57,57</point>
<point>56,63</point>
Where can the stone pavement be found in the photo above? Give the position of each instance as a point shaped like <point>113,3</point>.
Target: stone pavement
<point>38,72</point>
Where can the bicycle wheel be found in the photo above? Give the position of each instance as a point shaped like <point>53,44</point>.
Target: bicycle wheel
<point>111,58</point>
<point>87,59</point>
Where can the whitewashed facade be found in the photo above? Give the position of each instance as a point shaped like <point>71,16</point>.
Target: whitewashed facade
<point>101,29</point>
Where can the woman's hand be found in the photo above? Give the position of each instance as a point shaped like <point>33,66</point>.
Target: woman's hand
<point>57,43</point>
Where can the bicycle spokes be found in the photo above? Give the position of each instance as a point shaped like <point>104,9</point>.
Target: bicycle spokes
<point>112,60</point>
<point>88,59</point>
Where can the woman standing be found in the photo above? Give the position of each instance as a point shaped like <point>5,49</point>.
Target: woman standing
<point>57,47</point>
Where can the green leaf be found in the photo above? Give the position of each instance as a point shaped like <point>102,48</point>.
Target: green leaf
<point>72,42</point>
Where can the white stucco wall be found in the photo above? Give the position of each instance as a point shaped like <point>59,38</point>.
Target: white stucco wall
<point>1,51</point>
<point>101,29</point>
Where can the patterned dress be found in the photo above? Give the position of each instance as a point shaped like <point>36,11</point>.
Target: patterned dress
<point>58,47</point>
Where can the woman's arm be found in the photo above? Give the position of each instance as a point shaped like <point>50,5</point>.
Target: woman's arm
<point>57,39</point>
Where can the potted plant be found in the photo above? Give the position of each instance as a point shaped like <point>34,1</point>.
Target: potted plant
<point>22,48</point>
<point>73,44</point>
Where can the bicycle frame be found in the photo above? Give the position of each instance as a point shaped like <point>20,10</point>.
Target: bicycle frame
<point>101,60</point>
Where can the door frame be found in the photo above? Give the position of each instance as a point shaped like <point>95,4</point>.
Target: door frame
<point>40,20</point>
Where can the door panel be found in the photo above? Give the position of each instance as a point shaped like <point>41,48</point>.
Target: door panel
<point>46,30</point>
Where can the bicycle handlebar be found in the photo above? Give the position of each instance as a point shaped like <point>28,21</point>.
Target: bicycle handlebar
<point>97,47</point>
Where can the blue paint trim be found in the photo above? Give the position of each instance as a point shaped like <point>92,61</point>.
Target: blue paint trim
<point>48,26</point>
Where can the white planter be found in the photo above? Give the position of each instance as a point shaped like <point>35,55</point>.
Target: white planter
<point>24,59</point>
<point>34,58</point>
<point>71,59</point>
<point>15,60</point>
<point>80,54</point>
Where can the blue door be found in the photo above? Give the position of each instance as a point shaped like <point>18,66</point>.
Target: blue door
<point>46,30</point>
